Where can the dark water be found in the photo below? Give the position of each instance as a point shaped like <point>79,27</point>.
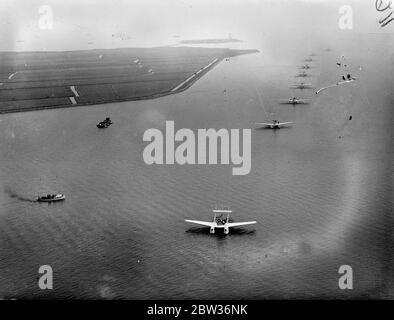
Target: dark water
<point>320,191</point>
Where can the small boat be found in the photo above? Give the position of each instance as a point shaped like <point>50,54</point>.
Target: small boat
<point>101,125</point>
<point>51,198</point>
<point>104,124</point>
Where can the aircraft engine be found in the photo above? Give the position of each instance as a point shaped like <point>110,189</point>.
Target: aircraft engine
<point>226,230</point>
<point>212,231</point>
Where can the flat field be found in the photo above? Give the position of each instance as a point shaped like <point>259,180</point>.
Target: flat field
<point>42,80</point>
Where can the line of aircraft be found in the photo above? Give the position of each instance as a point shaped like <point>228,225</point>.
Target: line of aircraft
<point>223,223</point>
<point>276,124</point>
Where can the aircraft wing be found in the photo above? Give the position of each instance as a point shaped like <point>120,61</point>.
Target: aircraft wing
<point>264,124</point>
<point>284,123</point>
<point>236,224</point>
<point>203,223</point>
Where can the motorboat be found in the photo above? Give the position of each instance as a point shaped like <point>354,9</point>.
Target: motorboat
<point>104,124</point>
<point>51,198</point>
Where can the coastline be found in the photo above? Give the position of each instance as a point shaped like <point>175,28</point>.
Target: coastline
<point>107,93</point>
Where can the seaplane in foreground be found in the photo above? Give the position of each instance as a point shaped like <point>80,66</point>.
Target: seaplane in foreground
<point>274,124</point>
<point>295,101</point>
<point>302,86</point>
<point>219,222</point>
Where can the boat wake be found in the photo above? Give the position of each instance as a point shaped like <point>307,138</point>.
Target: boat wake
<point>17,196</point>
<point>334,85</point>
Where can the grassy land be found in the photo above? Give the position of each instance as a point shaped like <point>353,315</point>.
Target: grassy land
<point>42,80</point>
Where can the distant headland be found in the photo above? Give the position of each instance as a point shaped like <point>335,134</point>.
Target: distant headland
<point>209,41</point>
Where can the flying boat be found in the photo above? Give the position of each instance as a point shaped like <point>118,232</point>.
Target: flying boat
<point>220,221</point>
<point>295,101</point>
<point>274,124</point>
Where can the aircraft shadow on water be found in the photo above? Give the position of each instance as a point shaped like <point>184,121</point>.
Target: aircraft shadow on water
<point>233,232</point>
<point>270,129</point>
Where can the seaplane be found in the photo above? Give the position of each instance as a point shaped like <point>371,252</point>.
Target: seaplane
<point>302,74</point>
<point>295,101</point>
<point>302,85</point>
<point>306,66</point>
<point>220,222</point>
<point>274,124</point>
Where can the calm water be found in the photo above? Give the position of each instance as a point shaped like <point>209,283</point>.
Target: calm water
<point>320,191</point>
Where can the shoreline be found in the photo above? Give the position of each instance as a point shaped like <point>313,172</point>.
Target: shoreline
<point>149,97</point>
<point>172,87</point>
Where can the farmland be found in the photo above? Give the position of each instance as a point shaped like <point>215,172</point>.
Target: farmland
<point>43,80</point>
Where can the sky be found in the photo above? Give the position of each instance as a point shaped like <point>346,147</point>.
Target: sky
<point>83,24</point>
